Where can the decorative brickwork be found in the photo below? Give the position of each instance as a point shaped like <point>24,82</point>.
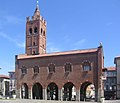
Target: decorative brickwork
<point>59,84</point>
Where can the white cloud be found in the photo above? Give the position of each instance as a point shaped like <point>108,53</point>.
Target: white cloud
<point>22,45</point>
<point>5,36</point>
<point>51,48</point>
<point>80,42</point>
<point>12,19</point>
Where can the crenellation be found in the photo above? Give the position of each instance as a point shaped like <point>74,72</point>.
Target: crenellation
<point>28,19</point>
<point>38,18</point>
<point>43,20</point>
<point>33,18</point>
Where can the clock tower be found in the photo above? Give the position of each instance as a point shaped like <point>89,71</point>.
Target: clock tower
<point>35,34</point>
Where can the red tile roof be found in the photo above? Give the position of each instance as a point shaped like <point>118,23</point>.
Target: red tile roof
<point>25,56</point>
<point>4,76</point>
<point>117,57</point>
<point>111,68</point>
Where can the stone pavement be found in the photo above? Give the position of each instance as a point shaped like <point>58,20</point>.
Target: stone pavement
<point>43,101</point>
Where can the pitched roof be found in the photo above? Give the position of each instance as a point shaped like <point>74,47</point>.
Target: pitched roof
<point>111,68</point>
<point>4,76</point>
<point>25,56</point>
<point>12,71</point>
<point>117,57</point>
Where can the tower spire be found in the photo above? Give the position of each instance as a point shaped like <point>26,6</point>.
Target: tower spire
<point>37,11</point>
<point>37,5</point>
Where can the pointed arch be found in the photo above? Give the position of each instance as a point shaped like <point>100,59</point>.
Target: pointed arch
<point>24,91</point>
<point>69,91</point>
<point>52,91</point>
<point>37,91</point>
<point>85,91</point>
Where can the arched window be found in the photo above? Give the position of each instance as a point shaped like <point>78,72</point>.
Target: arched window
<point>34,52</point>
<point>24,70</point>
<point>68,67</point>
<point>51,68</point>
<point>30,30</point>
<point>44,33</point>
<point>86,66</point>
<point>35,30</point>
<point>41,30</point>
<point>36,69</point>
<point>34,44</point>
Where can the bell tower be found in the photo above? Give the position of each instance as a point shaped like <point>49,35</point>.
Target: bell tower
<point>35,34</point>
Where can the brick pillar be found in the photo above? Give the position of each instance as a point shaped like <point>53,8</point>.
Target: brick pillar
<point>77,94</point>
<point>44,94</point>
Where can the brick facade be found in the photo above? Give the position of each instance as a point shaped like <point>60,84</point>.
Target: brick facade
<point>76,77</point>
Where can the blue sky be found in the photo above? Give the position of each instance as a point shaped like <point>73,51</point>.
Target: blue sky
<point>71,25</point>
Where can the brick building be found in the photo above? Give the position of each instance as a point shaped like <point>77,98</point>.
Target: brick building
<point>110,83</point>
<point>4,85</point>
<point>55,76</point>
<point>12,83</point>
<point>117,63</point>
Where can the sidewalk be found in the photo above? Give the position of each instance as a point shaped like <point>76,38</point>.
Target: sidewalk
<point>43,101</point>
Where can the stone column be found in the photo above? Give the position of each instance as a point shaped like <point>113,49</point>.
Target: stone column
<point>20,93</point>
<point>45,94</point>
<point>98,94</point>
<point>77,94</point>
<point>59,94</point>
<point>30,93</point>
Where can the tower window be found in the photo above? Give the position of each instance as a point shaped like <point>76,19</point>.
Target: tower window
<point>43,46</point>
<point>30,31</point>
<point>35,30</point>
<point>44,33</point>
<point>33,43</point>
<point>51,68</point>
<point>41,30</point>
<point>68,67</point>
<point>86,66</point>
<point>33,52</point>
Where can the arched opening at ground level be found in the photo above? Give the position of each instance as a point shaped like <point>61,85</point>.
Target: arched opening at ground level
<point>37,91</point>
<point>24,91</point>
<point>87,91</point>
<point>69,92</point>
<point>52,92</point>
